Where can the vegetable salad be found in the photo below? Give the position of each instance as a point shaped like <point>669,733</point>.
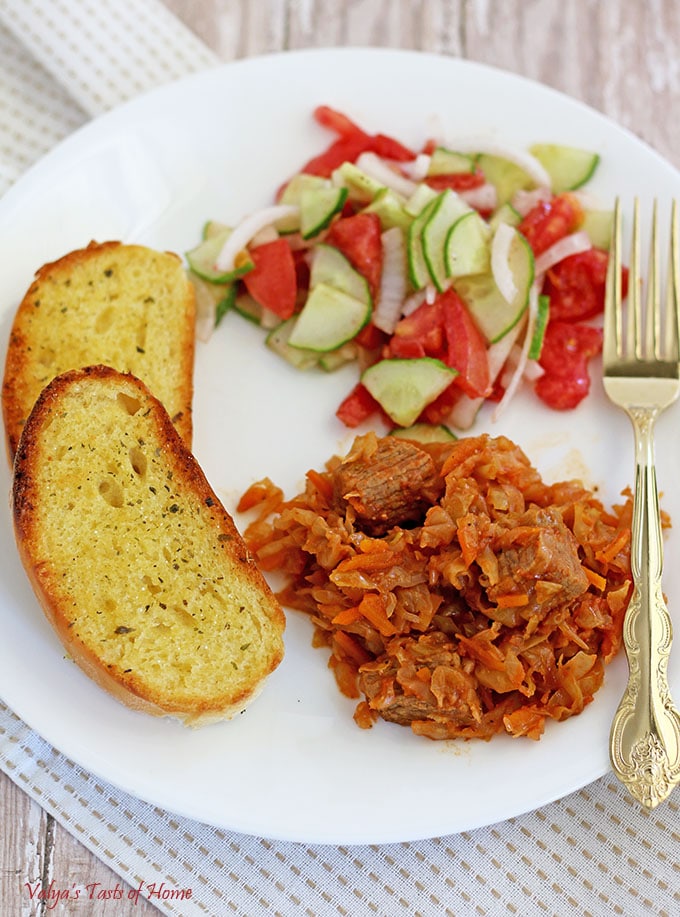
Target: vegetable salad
<point>450,276</point>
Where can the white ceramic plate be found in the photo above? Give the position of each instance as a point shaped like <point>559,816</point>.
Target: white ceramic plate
<point>295,766</point>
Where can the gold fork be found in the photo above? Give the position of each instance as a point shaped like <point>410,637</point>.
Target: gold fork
<point>641,361</point>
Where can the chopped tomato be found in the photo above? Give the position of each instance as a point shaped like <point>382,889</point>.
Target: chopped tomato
<point>370,337</point>
<point>576,285</point>
<point>444,329</point>
<point>549,221</point>
<point>456,181</point>
<point>438,410</point>
<point>358,238</point>
<point>567,347</point>
<point>357,407</point>
<point>273,281</point>
<point>466,348</point>
<point>352,141</point>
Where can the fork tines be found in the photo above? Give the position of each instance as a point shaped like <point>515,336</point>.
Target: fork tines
<point>649,333</point>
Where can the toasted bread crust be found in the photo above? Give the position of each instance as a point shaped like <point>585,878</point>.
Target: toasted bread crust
<point>91,559</point>
<point>126,306</point>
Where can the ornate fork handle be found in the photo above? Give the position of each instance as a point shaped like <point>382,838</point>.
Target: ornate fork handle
<point>645,735</point>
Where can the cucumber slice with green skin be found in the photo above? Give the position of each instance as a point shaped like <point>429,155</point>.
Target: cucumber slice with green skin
<point>334,359</point>
<point>278,341</point>
<point>202,260</point>
<point>506,213</point>
<point>246,307</point>
<point>599,225</point>
<point>214,228</point>
<point>329,266</point>
<point>418,271</point>
<point>390,209</point>
<point>360,186</point>
<point>448,209</point>
<point>292,194</point>
<point>217,298</point>
<point>425,433</point>
<point>541,323</point>
<point>318,207</point>
<point>404,388</point>
<point>493,314</point>
<point>449,162</point>
<point>506,176</point>
<point>329,318</point>
<point>569,167</point>
<point>420,198</point>
<point>466,250</point>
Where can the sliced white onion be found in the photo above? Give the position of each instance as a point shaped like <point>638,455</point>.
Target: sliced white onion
<point>485,197</point>
<point>416,169</point>
<point>431,293</point>
<point>573,244</point>
<point>267,234</point>
<point>500,261</point>
<point>518,373</point>
<point>525,161</point>
<point>532,370</point>
<point>393,282</point>
<point>249,227</point>
<point>377,168</point>
<point>524,201</point>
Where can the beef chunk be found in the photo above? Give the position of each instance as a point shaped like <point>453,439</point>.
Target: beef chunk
<point>539,547</point>
<point>393,484</point>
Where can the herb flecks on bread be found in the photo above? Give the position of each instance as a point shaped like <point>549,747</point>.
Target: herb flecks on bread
<point>127,306</point>
<point>136,563</point>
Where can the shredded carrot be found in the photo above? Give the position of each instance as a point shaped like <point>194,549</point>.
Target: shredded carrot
<point>609,553</point>
<point>322,484</point>
<point>257,493</point>
<point>512,600</point>
<point>372,607</point>
<point>347,616</point>
<point>595,579</point>
<point>378,560</point>
<point>372,546</point>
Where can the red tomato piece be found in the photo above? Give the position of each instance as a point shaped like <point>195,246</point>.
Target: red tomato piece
<point>357,407</point>
<point>576,286</point>
<point>358,238</point>
<point>550,221</point>
<point>273,281</point>
<point>445,330</point>
<point>438,410</point>
<point>352,141</point>
<point>466,348</point>
<point>567,347</point>
<point>456,181</point>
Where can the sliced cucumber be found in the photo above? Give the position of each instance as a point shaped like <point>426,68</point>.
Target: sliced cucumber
<point>202,260</point>
<point>334,359</point>
<point>361,186</point>
<point>466,250</point>
<point>569,167</point>
<point>246,307</point>
<point>329,266</point>
<point>318,206</point>
<point>420,198</point>
<point>278,341</point>
<point>447,210</point>
<point>212,298</point>
<point>404,388</point>
<point>493,314</point>
<point>599,224</point>
<point>214,228</point>
<point>292,194</point>
<point>425,433</point>
<point>541,323</point>
<point>449,162</point>
<point>390,209</point>
<point>418,271</point>
<point>506,176</point>
<point>329,318</point>
<point>506,213</point>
